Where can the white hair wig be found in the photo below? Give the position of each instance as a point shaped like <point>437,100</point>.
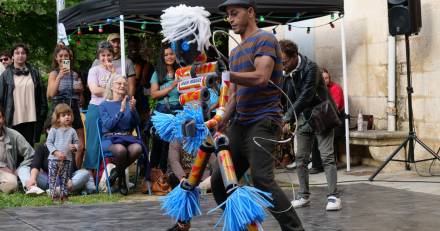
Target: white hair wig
<point>181,21</point>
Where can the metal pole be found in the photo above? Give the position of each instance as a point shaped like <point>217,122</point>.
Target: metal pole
<point>344,76</point>
<point>122,35</point>
<point>60,7</point>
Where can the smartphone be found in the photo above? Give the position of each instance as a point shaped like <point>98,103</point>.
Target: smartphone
<point>66,64</point>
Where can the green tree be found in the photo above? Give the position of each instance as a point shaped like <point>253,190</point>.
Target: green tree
<point>32,22</point>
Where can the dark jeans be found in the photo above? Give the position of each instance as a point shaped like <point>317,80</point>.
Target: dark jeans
<point>246,154</point>
<point>27,130</point>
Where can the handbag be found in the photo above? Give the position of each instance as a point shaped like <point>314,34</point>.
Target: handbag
<point>324,117</point>
<point>159,182</point>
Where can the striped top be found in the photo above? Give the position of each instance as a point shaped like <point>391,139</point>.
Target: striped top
<point>260,102</point>
<point>66,89</point>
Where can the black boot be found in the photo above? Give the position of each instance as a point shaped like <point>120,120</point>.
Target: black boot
<point>122,183</point>
<point>113,176</point>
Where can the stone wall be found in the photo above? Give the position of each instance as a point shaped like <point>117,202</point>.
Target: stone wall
<point>366,29</point>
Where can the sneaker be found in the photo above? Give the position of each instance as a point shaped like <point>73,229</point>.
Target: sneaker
<point>34,190</point>
<point>333,203</point>
<point>309,166</point>
<point>291,166</point>
<point>301,202</point>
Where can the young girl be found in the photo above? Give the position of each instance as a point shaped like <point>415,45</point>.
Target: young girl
<point>62,141</point>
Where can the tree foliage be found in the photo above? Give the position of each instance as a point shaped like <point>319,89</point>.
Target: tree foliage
<point>32,22</point>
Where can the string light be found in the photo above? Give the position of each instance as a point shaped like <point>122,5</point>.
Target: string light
<point>100,30</point>
<point>308,30</point>
<point>79,31</point>
<point>143,26</point>
<point>289,27</point>
<point>261,18</point>
<point>274,31</point>
<point>78,42</point>
<point>332,25</point>
<point>297,15</point>
<point>332,16</point>
<point>90,28</point>
<point>109,21</point>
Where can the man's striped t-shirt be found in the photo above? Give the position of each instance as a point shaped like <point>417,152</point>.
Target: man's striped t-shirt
<point>260,102</point>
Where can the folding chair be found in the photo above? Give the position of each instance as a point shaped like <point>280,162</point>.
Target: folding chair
<point>107,154</point>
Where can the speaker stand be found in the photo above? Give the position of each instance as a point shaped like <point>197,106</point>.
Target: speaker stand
<point>411,139</point>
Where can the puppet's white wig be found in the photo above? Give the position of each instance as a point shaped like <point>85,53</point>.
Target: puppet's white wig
<point>181,21</point>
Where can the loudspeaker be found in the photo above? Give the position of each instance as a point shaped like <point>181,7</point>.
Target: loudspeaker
<point>404,17</point>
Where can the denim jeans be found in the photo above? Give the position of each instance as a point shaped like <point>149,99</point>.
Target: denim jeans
<point>79,180</point>
<point>305,136</point>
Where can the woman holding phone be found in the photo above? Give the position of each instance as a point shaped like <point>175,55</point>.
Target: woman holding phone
<point>65,86</point>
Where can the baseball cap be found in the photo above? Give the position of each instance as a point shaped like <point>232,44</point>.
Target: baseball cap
<point>113,36</point>
<point>252,3</point>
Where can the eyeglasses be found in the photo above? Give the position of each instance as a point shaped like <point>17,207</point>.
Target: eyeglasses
<point>4,59</point>
<point>120,83</point>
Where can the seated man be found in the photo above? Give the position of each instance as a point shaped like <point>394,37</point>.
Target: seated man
<point>79,178</point>
<point>12,147</point>
<point>180,166</point>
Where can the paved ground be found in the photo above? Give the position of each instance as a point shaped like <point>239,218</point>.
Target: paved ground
<point>366,207</point>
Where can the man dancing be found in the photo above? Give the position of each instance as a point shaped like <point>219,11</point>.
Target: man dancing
<point>256,102</point>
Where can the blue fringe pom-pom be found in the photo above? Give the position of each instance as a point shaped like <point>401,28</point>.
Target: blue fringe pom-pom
<point>181,204</point>
<point>191,144</point>
<point>165,125</point>
<point>243,207</point>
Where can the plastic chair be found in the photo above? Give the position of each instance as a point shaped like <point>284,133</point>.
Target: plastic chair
<point>106,154</point>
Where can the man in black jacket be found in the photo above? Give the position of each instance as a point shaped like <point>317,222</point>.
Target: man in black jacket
<point>306,89</point>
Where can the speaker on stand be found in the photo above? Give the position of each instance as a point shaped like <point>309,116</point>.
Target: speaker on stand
<point>404,18</point>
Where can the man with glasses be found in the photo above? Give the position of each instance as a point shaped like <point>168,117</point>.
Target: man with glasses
<point>256,68</point>
<point>306,89</point>
<point>5,59</point>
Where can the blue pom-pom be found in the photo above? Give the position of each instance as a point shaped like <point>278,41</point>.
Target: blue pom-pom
<point>165,125</point>
<point>181,204</point>
<point>192,144</point>
<point>243,207</point>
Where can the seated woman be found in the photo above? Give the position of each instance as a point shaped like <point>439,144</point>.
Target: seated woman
<point>119,117</point>
<point>180,166</point>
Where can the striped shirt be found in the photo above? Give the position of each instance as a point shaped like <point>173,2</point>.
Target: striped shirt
<point>260,102</point>
<point>59,139</point>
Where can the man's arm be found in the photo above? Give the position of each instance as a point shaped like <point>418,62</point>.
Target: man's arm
<point>264,66</point>
<point>131,77</point>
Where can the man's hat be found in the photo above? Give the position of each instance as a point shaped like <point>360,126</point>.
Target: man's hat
<point>113,36</point>
<point>250,3</point>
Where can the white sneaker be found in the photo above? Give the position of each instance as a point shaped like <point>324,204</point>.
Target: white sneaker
<point>291,166</point>
<point>301,202</point>
<point>309,166</point>
<point>333,203</point>
<point>34,190</point>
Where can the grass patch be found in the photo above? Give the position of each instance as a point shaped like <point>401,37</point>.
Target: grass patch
<point>22,200</point>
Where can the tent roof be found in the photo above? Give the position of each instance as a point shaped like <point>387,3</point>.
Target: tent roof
<point>274,11</point>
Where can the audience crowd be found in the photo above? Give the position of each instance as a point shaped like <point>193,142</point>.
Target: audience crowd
<point>119,113</point>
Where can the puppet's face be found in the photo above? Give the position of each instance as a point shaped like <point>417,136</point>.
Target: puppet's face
<point>186,51</point>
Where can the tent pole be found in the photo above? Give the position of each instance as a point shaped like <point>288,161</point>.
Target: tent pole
<point>122,35</point>
<point>346,109</point>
